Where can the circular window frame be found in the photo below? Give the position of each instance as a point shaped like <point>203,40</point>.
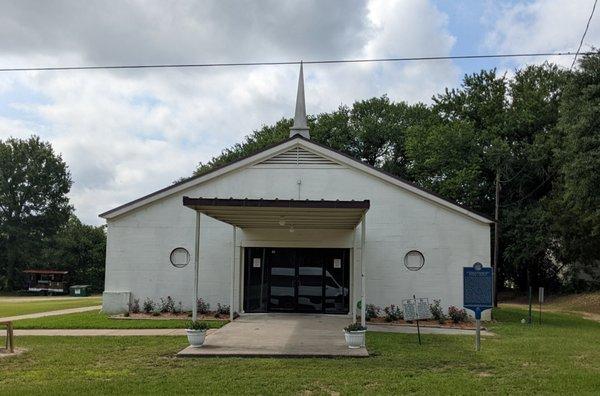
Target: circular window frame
<point>177,249</point>
<point>406,260</point>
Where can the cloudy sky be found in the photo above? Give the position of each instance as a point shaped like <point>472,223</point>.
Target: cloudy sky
<point>126,133</point>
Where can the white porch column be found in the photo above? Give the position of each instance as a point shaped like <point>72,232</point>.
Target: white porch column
<point>353,277</point>
<point>363,271</point>
<point>232,296</point>
<point>196,266</point>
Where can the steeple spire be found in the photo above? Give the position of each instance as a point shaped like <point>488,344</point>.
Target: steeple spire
<point>300,126</point>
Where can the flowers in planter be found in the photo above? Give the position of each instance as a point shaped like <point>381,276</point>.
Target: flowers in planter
<point>196,332</point>
<point>354,327</point>
<point>458,315</point>
<point>354,334</point>
<point>393,313</point>
<point>196,325</point>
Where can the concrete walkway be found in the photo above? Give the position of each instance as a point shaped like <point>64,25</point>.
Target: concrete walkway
<point>101,332</point>
<point>51,313</point>
<point>283,335</point>
<point>46,298</point>
<point>383,328</point>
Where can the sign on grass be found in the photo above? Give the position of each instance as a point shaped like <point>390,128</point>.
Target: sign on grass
<point>416,309</point>
<point>477,288</point>
<point>410,309</point>
<point>423,309</point>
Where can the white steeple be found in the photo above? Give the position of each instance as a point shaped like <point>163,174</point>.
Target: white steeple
<point>300,127</point>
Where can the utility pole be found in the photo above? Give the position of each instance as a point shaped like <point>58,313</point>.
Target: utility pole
<point>496,239</point>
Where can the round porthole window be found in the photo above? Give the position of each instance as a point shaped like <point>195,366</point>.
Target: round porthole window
<point>180,257</point>
<point>414,260</point>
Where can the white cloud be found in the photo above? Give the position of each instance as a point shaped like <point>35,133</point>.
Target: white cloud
<point>541,26</point>
<point>127,133</point>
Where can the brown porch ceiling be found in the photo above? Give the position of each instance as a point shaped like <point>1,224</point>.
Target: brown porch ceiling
<point>268,213</point>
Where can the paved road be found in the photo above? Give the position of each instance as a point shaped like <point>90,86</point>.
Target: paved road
<point>51,313</point>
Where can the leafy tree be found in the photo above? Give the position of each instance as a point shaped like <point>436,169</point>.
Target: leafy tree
<point>446,158</point>
<point>81,250</point>
<point>34,182</point>
<point>528,174</point>
<point>493,126</point>
<point>576,201</point>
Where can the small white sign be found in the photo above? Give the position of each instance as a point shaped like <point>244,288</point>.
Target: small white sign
<point>541,294</point>
<point>337,263</point>
<point>410,313</point>
<point>423,310</point>
<point>256,262</point>
<point>416,309</point>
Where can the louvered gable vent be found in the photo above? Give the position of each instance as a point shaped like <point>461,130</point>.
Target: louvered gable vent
<point>298,156</point>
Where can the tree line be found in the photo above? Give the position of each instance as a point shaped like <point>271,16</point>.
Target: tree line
<point>535,132</point>
<point>38,228</point>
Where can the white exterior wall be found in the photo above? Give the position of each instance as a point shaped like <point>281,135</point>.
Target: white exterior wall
<point>139,242</point>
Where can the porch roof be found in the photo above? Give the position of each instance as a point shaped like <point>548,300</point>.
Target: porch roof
<point>282,213</point>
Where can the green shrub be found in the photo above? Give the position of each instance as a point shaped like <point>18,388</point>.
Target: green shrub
<point>167,305</point>
<point>222,310</point>
<point>135,307</point>
<point>372,311</point>
<point>178,308</point>
<point>437,312</point>
<point>148,305</point>
<point>202,306</point>
<point>393,313</point>
<point>354,327</point>
<point>458,315</point>
<point>196,325</point>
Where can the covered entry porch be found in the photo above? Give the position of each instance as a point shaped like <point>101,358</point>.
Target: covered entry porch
<point>278,334</point>
<point>294,278</point>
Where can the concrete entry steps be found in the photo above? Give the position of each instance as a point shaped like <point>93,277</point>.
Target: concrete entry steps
<point>279,335</point>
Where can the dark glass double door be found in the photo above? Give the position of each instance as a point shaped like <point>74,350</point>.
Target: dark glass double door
<point>296,280</point>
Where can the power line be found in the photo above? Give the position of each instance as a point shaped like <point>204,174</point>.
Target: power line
<point>587,26</point>
<point>329,61</point>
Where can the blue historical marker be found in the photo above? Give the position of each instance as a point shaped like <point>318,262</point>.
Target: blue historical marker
<point>477,293</point>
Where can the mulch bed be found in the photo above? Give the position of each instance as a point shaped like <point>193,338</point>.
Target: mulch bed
<point>427,323</point>
<point>169,316</point>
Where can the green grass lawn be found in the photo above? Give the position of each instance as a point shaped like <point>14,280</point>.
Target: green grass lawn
<point>97,320</point>
<point>27,305</point>
<point>561,357</point>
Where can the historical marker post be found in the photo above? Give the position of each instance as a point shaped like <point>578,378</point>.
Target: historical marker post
<point>541,300</point>
<point>477,293</point>
<point>416,309</point>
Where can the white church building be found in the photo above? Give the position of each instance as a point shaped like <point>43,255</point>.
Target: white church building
<point>296,227</point>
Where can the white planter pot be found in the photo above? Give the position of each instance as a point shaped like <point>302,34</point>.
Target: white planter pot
<point>196,337</point>
<point>355,339</point>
